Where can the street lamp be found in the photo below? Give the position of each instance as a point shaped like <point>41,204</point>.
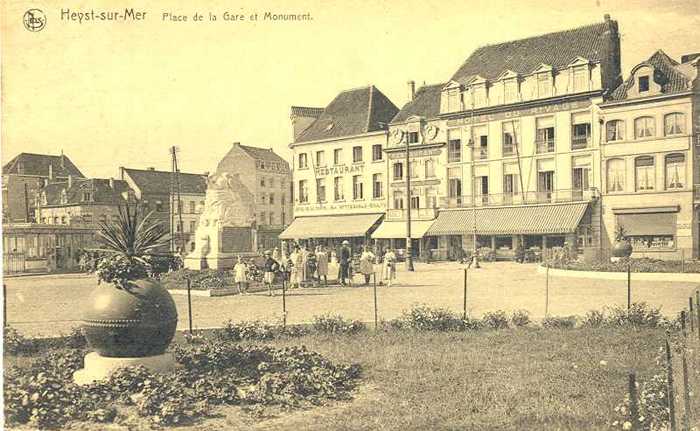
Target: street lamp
<point>409,246</point>
<point>472,146</point>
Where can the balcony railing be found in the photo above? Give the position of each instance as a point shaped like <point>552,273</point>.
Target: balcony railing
<point>545,146</point>
<point>501,199</point>
<point>481,153</point>
<point>578,142</point>
<point>416,214</point>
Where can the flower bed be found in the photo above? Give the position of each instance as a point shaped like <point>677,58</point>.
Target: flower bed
<point>637,265</point>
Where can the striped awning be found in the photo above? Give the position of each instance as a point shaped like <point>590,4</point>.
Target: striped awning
<point>397,229</point>
<point>340,226</point>
<point>526,220</point>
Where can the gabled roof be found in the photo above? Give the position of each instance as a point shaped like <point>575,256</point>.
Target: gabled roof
<point>158,182</point>
<point>352,112</point>
<point>265,154</point>
<point>525,55</point>
<point>101,191</point>
<point>667,72</point>
<point>425,103</point>
<point>38,164</point>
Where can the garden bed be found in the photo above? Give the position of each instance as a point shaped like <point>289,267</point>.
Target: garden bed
<point>641,265</point>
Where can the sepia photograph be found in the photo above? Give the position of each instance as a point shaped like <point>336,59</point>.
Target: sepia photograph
<point>401,215</point>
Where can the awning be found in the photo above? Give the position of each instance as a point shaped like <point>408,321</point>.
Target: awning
<point>340,226</point>
<point>397,229</point>
<point>663,223</point>
<point>525,220</point>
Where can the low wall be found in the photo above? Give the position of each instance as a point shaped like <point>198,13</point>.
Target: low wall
<point>639,276</point>
<point>208,292</point>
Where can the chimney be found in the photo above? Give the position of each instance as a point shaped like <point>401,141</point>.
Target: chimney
<point>411,90</point>
<point>121,172</point>
<point>206,173</point>
<point>151,168</point>
<point>70,180</point>
<point>236,144</point>
<point>606,17</point>
<point>687,58</point>
<point>50,171</point>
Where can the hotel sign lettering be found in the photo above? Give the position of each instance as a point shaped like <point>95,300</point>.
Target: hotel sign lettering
<point>332,206</point>
<point>538,110</point>
<point>425,152</point>
<point>339,170</point>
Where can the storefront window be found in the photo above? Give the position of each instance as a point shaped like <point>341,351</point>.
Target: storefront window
<point>651,242</point>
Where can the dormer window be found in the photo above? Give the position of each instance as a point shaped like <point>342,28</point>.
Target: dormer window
<point>64,197</point>
<point>643,84</point>
<point>544,84</point>
<point>510,90</point>
<point>581,79</point>
<point>479,95</point>
<point>412,137</point>
<point>87,196</point>
<point>454,100</point>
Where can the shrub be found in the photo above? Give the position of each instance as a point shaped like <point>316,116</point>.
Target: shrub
<point>16,343</point>
<point>424,318</point>
<point>640,314</point>
<point>636,265</point>
<point>247,330</point>
<point>335,324</point>
<point>594,319</point>
<point>75,339</point>
<point>495,319</point>
<point>652,405</point>
<point>520,318</point>
<point>557,322</point>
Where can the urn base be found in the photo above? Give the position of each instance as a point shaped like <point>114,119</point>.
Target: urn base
<point>98,367</point>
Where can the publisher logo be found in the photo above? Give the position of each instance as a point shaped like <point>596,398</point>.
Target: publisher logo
<point>34,20</point>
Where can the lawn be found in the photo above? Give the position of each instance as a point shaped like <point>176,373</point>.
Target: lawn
<point>512,379</point>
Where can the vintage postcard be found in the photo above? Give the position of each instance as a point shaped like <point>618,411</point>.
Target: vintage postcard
<point>350,215</point>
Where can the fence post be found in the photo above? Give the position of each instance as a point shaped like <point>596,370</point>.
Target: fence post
<point>669,388</point>
<point>4,305</point>
<point>697,310</point>
<point>634,406</point>
<point>682,260</point>
<point>691,315</point>
<point>376,315</point>
<point>189,303</point>
<point>629,286</point>
<point>686,391</point>
<point>546,291</point>
<point>683,331</point>
<point>466,272</point>
<point>284,302</point>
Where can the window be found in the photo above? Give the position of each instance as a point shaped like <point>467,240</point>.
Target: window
<point>481,189</point>
<point>481,150</point>
<point>413,169</point>
<point>454,186</point>
<point>580,79</point>
<point>272,198</point>
<point>675,171</point>
<point>193,226</point>
<point>412,137</point>
<point>320,158</point>
<point>64,197</point>
<point>398,171</point>
<point>615,130</point>
<point>580,178</point>
<point>302,161</point>
<point>479,95</point>
<point>510,90</point>
<point>454,100</point>
<point>356,154</point>
<point>87,218</point>
<point>338,192</point>
<point>192,246</point>
<point>398,200</point>
<point>192,207</point>
<point>178,227</point>
<point>643,84</point>
<point>415,202</point>
<point>545,135</point>
<point>510,187</point>
<point>454,145</point>
<point>338,156</point>
<point>545,186</point>
<point>511,130</point>
<point>271,182</point>
<point>303,191</point>
<point>429,168</point>
<point>644,172</point>
<point>262,181</point>
<point>580,135</point>
<point>272,218</point>
<point>263,198</point>
<point>357,187</point>
<point>87,196</point>
<point>544,84</point>
<point>377,186</point>
<point>262,217</point>
<point>644,127</point>
<point>320,190</point>
<point>674,124</point>
<point>616,175</point>
<point>377,152</point>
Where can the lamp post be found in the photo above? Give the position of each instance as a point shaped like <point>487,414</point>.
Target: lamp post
<point>471,144</point>
<point>409,246</point>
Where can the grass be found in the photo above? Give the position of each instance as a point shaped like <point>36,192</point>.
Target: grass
<point>516,379</point>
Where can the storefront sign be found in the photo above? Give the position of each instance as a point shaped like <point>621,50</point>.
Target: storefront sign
<point>339,170</point>
<point>416,153</point>
<point>538,110</point>
<point>340,206</point>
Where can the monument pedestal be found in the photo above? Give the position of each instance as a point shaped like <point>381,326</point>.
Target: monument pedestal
<point>217,262</point>
<point>98,367</point>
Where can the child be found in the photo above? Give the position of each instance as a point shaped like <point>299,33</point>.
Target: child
<point>389,266</point>
<point>270,268</point>
<point>240,272</point>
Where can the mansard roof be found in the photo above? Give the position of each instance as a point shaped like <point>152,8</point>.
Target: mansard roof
<point>668,73</point>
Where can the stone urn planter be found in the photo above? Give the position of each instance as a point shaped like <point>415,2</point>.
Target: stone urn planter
<point>135,321</point>
<point>622,248</point>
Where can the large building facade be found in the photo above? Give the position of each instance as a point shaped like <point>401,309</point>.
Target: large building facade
<point>649,158</point>
<point>340,170</point>
<point>507,152</point>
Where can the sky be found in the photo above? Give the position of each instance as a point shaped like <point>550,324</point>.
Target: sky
<point>112,94</point>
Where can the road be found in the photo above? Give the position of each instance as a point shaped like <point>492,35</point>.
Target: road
<point>51,304</point>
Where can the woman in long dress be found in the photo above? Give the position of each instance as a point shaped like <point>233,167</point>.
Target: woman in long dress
<point>366,263</point>
<point>297,275</point>
<point>322,264</point>
<point>389,267</point>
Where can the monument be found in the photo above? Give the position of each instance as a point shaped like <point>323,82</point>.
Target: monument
<point>226,226</point>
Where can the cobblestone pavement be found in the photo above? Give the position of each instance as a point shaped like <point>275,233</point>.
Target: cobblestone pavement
<point>51,304</point>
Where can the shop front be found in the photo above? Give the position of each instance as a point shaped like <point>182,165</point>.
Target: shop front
<point>500,231</point>
<point>393,234</point>
<point>331,231</point>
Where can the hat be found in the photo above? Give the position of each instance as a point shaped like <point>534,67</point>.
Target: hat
<point>346,242</point>
<point>268,252</point>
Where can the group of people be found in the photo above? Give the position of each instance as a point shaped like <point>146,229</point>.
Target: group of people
<point>308,265</point>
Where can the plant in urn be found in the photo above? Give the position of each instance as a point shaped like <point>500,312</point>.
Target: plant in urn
<point>129,318</point>
<point>622,247</point>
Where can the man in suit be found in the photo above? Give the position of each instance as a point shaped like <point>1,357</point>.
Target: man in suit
<point>345,258</point>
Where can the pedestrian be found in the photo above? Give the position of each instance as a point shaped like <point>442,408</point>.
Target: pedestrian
<point>345,260</point>
<point>389,266</point>
<point>311,266</point>
<point>240,275</point>
<point>270,268</point>
<point>296,264</point>
<point>276,255</point>
<point>322,264</point>
<point>367,263</point>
